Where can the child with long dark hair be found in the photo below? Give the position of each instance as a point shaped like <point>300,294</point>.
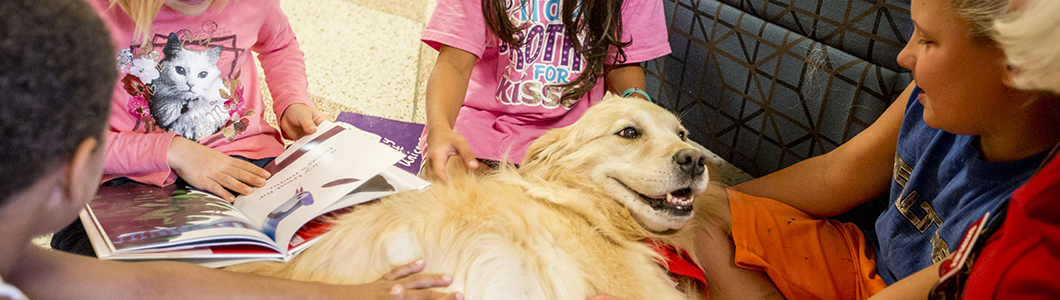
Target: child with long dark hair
<point>509,70</point>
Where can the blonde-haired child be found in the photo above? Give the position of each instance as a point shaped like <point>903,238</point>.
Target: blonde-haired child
<point>1014,258</point>
<point>52,160</point>
<point>187,69</point>
<point>187,108</point>
<point>953,147</point>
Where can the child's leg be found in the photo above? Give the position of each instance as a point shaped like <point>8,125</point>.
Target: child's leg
<point>806,257</point>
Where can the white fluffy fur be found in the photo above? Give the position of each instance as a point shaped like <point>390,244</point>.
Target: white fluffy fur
<point>560,227</point>
<point>1030,38</point>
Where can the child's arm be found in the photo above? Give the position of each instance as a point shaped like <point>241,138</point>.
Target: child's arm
<point>284,66</point>
<point>46,274</point>
<point>620,78</point>
<point>158,158</point>
<point>138,156</point>
<point>853,173</point>
<point>446,89</point>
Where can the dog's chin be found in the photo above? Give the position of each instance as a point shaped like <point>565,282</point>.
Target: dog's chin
<point>661,224</point>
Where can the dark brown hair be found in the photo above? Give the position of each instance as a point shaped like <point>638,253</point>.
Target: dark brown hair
<point>601,20</point>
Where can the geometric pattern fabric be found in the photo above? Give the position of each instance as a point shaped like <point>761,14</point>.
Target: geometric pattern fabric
<point>767,83</point>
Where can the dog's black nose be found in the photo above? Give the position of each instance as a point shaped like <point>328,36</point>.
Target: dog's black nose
<point>691,161</point>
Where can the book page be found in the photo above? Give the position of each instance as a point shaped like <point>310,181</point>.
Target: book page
<point>140,217</point>
<point>390,181</point>
<point>310,176</point>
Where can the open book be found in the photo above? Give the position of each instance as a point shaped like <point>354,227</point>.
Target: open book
<point>318,175</point>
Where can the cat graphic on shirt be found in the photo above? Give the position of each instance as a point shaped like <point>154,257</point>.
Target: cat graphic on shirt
<point>187,97</point>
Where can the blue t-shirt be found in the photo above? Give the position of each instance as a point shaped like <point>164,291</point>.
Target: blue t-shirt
<point>941,185</point>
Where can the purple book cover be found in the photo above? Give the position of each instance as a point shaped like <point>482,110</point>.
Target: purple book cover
<point>400,135</point>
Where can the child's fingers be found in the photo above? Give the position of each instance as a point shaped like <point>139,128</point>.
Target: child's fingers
<point>216,188</point>
<point>405,270</point>
<point>464,150</point>
<point>424,281</point>
<point>438,162</point>
<point>235,185</point>
<point>248,178</point>
<point>308,124</point>
<point>318,117</point>
<point>247,172</point>
<point>397,292</point>
<point>240,176</point>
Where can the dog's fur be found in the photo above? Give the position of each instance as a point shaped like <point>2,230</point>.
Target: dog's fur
<point>569,224</point>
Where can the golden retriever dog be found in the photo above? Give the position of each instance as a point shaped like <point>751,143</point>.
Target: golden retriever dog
<point>570,223</point>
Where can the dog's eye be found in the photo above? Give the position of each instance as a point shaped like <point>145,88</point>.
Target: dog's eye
<point>628,132</point>
<point>683,135</point>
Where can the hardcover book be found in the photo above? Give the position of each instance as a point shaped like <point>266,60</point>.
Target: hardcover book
<point>319,175</point>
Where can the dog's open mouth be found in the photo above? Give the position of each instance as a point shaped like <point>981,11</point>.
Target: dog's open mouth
<point>678,201</point>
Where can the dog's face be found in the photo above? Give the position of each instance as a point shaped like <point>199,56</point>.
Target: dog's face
<point>637,153</point>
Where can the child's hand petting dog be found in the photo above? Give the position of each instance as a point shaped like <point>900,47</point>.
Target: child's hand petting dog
<point>443,144</point>
<point>403,283</point>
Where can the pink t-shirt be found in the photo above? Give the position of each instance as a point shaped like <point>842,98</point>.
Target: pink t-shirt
<point>505,109</point>
<point>199,81</point>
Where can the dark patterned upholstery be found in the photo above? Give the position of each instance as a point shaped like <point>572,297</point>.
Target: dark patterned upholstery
<point>767,83</point>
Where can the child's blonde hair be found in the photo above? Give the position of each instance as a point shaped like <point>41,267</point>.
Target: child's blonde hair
<point>143,13</point>
<point>1030,38</point>
<point>980,15</point>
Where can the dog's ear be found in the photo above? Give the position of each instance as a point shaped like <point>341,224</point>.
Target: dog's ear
<point>553,146</point>
<point>538,150</point>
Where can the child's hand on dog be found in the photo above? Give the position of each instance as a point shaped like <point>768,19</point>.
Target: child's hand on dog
<point>402,283</point>
<point>442,144</point>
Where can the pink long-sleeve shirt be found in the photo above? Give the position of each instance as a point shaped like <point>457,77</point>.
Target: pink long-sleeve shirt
<point>199,81</point>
